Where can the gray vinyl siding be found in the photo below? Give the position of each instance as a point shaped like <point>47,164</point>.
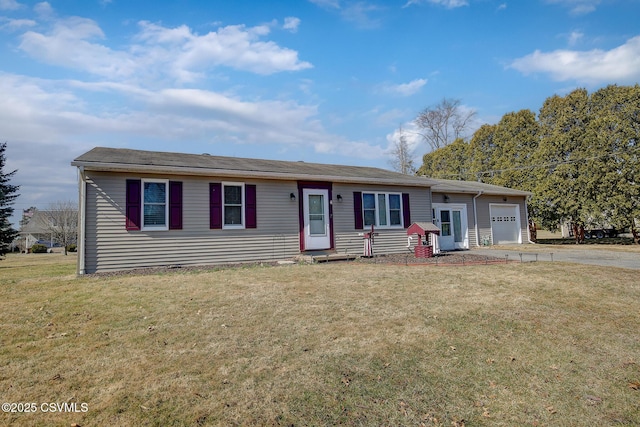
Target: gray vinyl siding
<point>483,213</point>
<point>461,199</point>
<point>109,246</point>
<point>388,240</point>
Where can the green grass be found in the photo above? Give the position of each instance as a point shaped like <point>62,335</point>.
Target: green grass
<point>329,344</point>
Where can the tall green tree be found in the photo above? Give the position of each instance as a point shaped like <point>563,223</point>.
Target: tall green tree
<point>580,158</point>
<point>8,195</point>
<point>614,133</point>
<point>502,154</point>
<point>560,174</point>
<point>482,148</point>
<point>450,162</point>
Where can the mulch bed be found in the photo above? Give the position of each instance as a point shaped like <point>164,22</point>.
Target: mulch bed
<point>444,259</point>
<point>455,258</point>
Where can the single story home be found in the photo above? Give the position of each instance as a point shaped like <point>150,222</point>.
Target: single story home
<point>473,213</point>
<point>146,209</point>
<point>37,228</point>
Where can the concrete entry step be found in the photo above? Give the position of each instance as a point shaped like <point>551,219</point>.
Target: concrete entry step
<point>326,256</point>
<point>333,257</point>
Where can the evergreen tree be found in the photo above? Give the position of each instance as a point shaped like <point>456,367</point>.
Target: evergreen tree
<point>450,162</point>
<point>502,154</point>
<point>580,158</point>
<point>560,173</point>
<point>8,194</point>
<point>614,134</point>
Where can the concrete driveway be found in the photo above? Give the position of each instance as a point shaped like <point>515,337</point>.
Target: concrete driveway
<point>588,254</point>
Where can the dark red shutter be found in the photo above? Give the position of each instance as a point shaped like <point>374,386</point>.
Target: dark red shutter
<point>357,210</point>
<point>215,205</point>
<point>133,207</point>
<point>406,210</point>
<point>250,211</point>
<point>175,205</point>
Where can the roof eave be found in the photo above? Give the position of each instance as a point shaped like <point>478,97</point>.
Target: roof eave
<point>509,192</point>
<point>230,173</point>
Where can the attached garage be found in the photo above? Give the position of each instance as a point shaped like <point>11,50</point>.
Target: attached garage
<point>479,214</point>
<point>505,224</point>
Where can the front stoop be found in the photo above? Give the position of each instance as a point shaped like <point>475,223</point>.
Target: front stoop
<point>325,256</point>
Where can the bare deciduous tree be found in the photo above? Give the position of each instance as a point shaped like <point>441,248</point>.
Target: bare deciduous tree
<point>402,155</point>
<point>443,123</point>
<point>61,220</point>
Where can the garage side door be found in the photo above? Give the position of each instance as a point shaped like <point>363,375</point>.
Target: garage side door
<point>505,224</point>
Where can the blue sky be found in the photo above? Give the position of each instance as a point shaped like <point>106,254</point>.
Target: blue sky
<point>316,80</point>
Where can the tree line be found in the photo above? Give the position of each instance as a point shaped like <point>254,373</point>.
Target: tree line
<point>580,157</point>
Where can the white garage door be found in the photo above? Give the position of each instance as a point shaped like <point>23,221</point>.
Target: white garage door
<point>505,224</point>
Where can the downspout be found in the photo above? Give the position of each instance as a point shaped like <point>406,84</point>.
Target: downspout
<point>82,207</point>
<point>475,217</point>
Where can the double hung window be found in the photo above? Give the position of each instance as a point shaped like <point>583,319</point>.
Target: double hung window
<point>382,209</point>
<point>232,205</point>
<point>155,202</point>
<point>233,197</point>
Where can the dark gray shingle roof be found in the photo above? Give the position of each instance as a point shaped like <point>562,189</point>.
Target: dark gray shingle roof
<point>452,186</point>
<point>127,160</point>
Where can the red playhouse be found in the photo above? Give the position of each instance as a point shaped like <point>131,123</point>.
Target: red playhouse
<point>424,248</point>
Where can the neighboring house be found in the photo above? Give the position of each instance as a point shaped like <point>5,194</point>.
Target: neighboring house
<point>471,213</point>
<point>143,209</point>
<point>36,230</point>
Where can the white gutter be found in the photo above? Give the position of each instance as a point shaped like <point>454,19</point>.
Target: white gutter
<point>82,208</point>
<point>475,217</point>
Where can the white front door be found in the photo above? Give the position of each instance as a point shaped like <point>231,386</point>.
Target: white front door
<point>316,219</point>
<point>452,221</point>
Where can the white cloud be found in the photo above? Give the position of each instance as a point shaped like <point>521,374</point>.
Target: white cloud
<point>449,4</point>
<point>361,13</point>
<point>57,112</point>
<point>327,4</point>
<point>502,6</point>
<point>9,5</point>
<point>16,24</point>
<point>43,9</point>
<point>161,52</point>
<point>577,7</point>
<point>69,45</point>
<point>405,89</point>
<point>291,23</point>
<point>358,12</point>
<point>620,64</point>
<point>234,46</point>
<point>575,37</point>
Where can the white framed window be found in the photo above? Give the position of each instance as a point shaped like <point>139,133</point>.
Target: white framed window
<point>233,205</point>
<point>382,209</point>
<point>155,204</point>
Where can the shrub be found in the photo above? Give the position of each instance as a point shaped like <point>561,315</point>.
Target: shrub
<point>72,248</point>
<point>38,249</point>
